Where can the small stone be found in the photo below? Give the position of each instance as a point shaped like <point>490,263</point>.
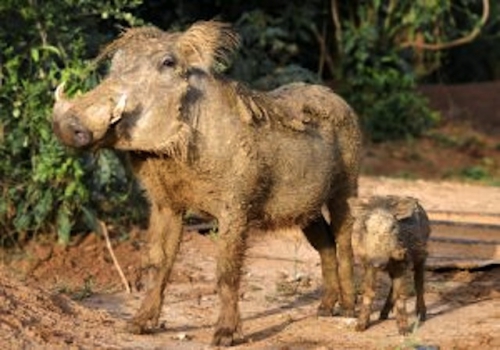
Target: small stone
<point>427,347</point>
<point>182,337</point>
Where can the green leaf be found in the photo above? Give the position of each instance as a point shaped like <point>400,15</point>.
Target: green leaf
<point>35,55</point>
<point>90,218</point>
<point>63,225</point>
<point>52,49</point>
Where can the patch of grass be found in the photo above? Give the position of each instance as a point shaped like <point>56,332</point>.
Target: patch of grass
<point>412,341</point>
<point>464,142</point>
<point>124,236</point>
<point>405,174</point>
<point>475,173</point>
<point>86,290</point>
<point>494,182</point>
<point>472,142</point>
<point>444,140</point>
<point>483,173</point>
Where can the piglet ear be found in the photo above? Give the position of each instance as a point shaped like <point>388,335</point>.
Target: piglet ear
<point>405,207</point>
<point>206,44</point>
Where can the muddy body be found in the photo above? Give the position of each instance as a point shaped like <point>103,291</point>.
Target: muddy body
<point>199,141</point>
<point>390,234</point>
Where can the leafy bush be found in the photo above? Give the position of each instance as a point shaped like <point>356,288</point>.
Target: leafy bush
<point>386,98</point>
<point>44,187</point>
<point>270,47</point>
<point>380,82</point>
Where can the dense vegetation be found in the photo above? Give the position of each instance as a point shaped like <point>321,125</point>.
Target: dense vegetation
<point>372,52</point>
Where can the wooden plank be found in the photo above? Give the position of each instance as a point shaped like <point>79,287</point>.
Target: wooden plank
<point>464,245</point>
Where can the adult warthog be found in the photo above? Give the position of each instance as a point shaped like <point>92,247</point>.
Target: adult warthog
<point>197,140</point>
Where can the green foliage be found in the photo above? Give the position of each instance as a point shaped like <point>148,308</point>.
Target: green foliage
<point>379,80</point>
<point>386,99</point>
<point>270,47</point>
<point>45,188</point>
<point>476,172</point>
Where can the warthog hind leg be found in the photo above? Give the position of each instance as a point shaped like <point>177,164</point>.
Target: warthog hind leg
<point>341,227</point>
<point>319,236</point>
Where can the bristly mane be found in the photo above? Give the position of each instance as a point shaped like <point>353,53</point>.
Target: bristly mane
<point>295,106</point>
<point>129,35</point>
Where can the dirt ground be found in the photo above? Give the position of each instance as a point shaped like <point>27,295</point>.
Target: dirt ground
<point>53,297</point>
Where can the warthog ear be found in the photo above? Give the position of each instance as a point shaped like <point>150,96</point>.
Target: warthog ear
<point>405,207</point>
<point>206,44</point>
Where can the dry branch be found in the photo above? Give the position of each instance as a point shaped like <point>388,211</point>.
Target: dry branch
<point>102,227</point>
<point>325,57</point>
<point>461,41</point>
<point>336,23</point>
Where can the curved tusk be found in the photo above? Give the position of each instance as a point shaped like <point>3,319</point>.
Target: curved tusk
<point>59,94</point>
<point>119,108</point>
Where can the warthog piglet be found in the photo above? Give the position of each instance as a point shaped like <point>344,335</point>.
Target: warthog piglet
<point>390,233</point>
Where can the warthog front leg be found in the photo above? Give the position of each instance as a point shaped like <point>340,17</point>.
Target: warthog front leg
<point>164,236</point>
<point>232,245</point>
<point>397,296</point>
<point>368,296</point>
<point>400,303</point>
<point>319,236</point>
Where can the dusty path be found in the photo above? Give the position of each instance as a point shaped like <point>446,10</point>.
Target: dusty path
<point>439,196</point>
<point>280,291</point>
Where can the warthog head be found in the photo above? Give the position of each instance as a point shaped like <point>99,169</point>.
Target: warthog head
<point>139,105</point>
<point>377,227</point>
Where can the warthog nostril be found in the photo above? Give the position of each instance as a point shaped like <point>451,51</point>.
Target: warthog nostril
<point>81,136</point>
<point>72,133</point>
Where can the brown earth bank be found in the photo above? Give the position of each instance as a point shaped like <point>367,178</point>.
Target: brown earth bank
<point>72,297</point>
<point>475,103</point>
<point>464,146</point>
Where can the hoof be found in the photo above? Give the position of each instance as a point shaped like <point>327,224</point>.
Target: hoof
<point>403,328</point>
<point>422,317</point>
<point>347,313</point>
<point>360,326</point>
<point>223,337</point>
<point>403,331</point>
<point>383,316</point>
<point>135,328</point>
<point>327,311</point>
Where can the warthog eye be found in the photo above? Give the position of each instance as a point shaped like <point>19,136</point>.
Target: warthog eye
<point>168,61</point>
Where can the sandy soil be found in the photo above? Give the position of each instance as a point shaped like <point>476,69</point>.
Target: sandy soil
<point>279,295</point>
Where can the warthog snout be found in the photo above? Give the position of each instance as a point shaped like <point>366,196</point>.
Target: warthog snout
<point>83,120</point>
<point>71,132</point>
<point>65,123</point>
